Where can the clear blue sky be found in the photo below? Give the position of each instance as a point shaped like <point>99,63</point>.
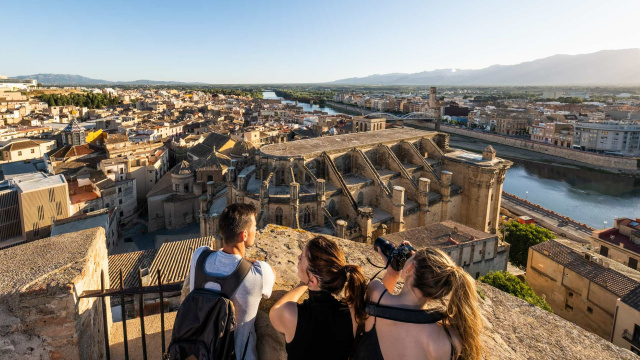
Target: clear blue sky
<point>261,41</point>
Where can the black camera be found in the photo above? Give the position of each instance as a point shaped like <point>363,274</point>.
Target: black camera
<point>396,256</point>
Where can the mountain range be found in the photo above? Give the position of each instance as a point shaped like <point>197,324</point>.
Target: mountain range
<point>77,80</point>
<point>607,67</point>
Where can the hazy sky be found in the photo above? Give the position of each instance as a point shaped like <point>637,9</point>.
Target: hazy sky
<point>235,41</point>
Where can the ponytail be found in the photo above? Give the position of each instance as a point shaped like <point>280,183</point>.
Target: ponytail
<point>437,276</point>
<point>355,291</point>
<point>463,314</point>
<point>328,263</point>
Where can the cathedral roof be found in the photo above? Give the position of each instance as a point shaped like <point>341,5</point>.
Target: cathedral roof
<point>240,148</point>
<point>183,168</point>
<point>214,160</point>
<point>73,127</point>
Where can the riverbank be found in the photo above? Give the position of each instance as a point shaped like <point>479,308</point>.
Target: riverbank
<point>469,140</point>
<point>511,153</point>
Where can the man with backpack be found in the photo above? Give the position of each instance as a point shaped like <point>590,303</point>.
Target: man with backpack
<point>227,274</point>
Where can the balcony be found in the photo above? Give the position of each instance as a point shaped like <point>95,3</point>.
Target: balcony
<point>633,340</point>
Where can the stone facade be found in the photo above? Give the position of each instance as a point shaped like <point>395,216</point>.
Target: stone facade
<point>375,182</point>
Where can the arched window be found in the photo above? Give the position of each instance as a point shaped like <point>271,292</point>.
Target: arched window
<point>306,217</point>
<point>278,215</point>
<point>360,198</point>
<point>186,188</point>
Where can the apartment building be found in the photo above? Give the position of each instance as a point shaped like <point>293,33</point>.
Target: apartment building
<point>42,200</point>
<point>577,287</point>
<point>554,133</point>
<point>511,126</point>
<point>620,243</point>
<point>626,323</point>
<point>25,149</point>
<point>95,191</point>
<point>146,166</point>
<point>607,137</point>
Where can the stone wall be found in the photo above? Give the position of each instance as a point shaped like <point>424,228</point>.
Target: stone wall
<point>514,328</point>
<point>41,315</point>
<point>612,162</point>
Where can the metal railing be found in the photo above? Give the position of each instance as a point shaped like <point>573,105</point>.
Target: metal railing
<point>122,292</point>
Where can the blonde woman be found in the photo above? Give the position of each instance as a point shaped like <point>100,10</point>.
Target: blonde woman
<point>429,275</point>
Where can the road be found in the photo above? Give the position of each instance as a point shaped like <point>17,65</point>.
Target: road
<point>546,218</point>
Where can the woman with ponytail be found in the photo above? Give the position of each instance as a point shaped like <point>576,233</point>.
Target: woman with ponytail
<point>323,326</point>
<point>430,276</point>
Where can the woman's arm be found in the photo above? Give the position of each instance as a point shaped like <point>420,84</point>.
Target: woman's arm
<point>284,313</point>
<point>390,279</point>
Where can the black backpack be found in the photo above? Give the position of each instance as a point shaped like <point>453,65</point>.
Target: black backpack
<point>205,323</point>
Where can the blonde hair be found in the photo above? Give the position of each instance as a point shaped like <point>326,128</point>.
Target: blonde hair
<point>437,276</point>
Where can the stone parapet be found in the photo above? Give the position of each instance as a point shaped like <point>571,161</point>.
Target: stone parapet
<point>41,282</point>
<point>514,328</point>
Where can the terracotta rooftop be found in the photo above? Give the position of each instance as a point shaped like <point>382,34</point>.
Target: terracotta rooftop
<point>615,238</point>
<point>74,151</point>
<point>129,263</point>
<point>438,235</point>
<point>79,194</point>
<point>634,224</point>
<point>21,145</point>
<point>607,278</point>
<point>173,259</point>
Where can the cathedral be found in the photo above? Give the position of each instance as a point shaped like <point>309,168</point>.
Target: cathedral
<point>362,185</point>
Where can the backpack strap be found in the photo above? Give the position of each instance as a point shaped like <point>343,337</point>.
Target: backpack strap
<point>228,284</point>
<point>200,277</point>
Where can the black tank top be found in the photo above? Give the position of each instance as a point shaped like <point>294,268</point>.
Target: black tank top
<point>324,329</point>
<point>368,347</point>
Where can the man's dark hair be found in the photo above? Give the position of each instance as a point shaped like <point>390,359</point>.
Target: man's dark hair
<point>235,218</point>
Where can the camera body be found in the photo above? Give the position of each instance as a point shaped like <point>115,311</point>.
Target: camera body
<point>397,255</point>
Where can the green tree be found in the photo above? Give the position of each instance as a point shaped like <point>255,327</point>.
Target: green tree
<point>521,237</point>
<point>511,284</point>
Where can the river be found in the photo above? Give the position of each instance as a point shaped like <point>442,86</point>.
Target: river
<point>271,95</point>
<point>587,196</point>
<point>584,195</point>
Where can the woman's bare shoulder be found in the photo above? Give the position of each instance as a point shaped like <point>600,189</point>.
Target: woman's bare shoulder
<point>374,290</point>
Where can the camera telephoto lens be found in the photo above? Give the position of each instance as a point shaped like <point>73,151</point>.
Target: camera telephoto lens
<point>385,246</point>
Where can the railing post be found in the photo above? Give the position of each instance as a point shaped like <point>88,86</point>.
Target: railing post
<point>161,310</point>
<point>141,303</point>
<point>104,317</point>
<point>123,314</point>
